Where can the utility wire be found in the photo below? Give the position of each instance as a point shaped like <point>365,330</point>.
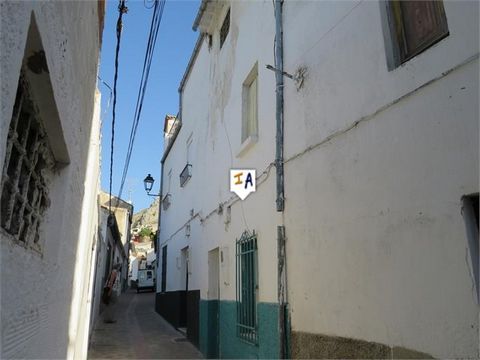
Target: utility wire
<point>146,68</point>
<point>152,39</point>
<point>122,9</point>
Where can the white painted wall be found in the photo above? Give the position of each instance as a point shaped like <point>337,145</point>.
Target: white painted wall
<point>123,214</point>
<point>212,116</point>
<point>133,268</point>
<point>38,294</point>
<point>100,264</point>
<point>376,246</point>
<point>373,217</point>
<point>84,274</point>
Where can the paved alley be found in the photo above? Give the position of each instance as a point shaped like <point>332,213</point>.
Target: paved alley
<point>139,333</point>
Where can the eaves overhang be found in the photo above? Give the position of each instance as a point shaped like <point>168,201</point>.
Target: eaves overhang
<point>207,16</point>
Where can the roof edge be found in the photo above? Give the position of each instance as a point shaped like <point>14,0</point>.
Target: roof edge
<point>193,57</point>
<point>199,16</point>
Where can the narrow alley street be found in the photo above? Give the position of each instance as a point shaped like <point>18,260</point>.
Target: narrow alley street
<point>277,179</point>
<point>138,333</point>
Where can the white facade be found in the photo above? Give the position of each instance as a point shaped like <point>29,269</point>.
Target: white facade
<point>376,164</point>
<point>84,279</point>
<point>123,214</point>
<point>101,250</point>
<point>45,286</point>
<point>211,118</point>
<point>374,211</point>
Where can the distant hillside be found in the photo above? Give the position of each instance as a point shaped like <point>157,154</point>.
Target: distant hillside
<point>146,217</point>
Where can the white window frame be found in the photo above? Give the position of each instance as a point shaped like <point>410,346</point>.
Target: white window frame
<point>249,133</point>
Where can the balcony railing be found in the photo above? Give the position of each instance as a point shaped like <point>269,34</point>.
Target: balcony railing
<point>185,174</point>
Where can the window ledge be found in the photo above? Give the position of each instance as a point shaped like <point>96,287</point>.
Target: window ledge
<point>247,144</point>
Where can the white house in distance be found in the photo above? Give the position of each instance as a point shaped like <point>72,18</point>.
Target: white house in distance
<point>374,252</point>
<point>123,212</point>
<point>49,156</point>
<point>112,247</point>
<point>142,256</point>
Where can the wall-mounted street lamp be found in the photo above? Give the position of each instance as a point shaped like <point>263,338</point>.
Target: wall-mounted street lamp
<point>148,183</point>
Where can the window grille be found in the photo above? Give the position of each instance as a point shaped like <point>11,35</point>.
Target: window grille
<point>246,273</point>
<point>225,28</point>
<point>185,175</point>
<point>166,201</point>
<point>27,170</point>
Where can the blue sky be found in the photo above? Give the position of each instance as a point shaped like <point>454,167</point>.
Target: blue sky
<point>175,43</point>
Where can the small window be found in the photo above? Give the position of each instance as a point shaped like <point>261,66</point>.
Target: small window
<point>185,175</point>
<point>210,41</point>
<point>415,26</point>
<point>225,28</point>
<point>27,170</point>
<point>470,215</point>
<point>246,286</point>
<point>250,112</point>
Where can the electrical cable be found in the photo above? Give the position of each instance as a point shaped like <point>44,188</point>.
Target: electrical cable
<point>147,63</point>
<point>122,9</point>
<point>152,39</point>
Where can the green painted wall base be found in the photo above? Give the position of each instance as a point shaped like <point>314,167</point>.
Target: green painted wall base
<point>208,331</point>
<point>218,333</point>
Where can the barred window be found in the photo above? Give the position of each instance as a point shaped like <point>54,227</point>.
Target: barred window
<point>246,255</point>
<point>27,169</point>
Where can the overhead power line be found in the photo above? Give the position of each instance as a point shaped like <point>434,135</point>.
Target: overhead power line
<point>152,39</point>
<point>122,9</point>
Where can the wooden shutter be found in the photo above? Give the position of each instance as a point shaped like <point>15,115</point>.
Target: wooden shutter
<point>418,25</point>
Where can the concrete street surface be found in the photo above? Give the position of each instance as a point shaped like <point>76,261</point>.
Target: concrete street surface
<point>138,333</point>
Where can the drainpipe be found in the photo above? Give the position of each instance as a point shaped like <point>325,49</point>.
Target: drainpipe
<point>158,236</point>
<point>280,201</point>
<point>159,216</point>
<point>279,103</point>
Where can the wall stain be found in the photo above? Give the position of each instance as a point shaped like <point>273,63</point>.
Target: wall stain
<point>221,74</point>
<point>318,346</point>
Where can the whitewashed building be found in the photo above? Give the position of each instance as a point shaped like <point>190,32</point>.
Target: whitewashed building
<point>123,212</point>
<point>381,181</point>
<point>49,156</point>
<point>112,247</point>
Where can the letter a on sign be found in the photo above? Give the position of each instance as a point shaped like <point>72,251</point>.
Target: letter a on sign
<point>242,182</point>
